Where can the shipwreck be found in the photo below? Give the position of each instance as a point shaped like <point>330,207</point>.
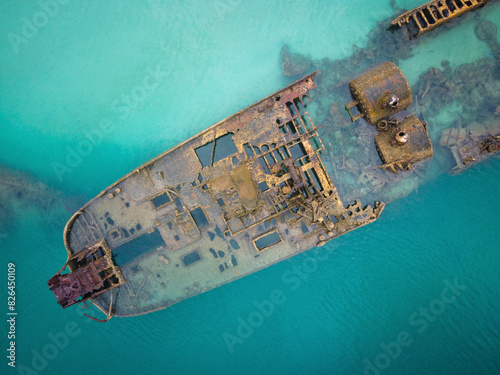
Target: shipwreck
<point>247,192</point>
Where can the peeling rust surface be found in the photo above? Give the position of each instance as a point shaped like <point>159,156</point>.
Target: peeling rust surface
<point>435,13</point>
<point>397,156</point>
<point>379,93</point>
<point>245,193</point>
<point>92,273</point>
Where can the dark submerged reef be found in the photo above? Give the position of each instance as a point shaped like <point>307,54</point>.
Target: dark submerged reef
<point>20,193</point>
<point>474,86</point>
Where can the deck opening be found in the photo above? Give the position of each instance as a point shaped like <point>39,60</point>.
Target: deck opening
<point>307,121</point>
<point>291,126</point>
<point>234,262</point>
<point>451,5</point>
<point>421,20</point>
<point>191,258</point>
<point>263,186</point>
<point>200,218</point>
<point>316,180</point>
<point>224,147</point>
<point>263,163</point>
<point>298,104</point>
<point>298,151</point>
<point>161,200</point>
<point>217,150</point>
<point>277,155</point>
<point>137,247</point>
<point>204,154</point>
<point>298,124</point>
<point>178,204</point>
<point>291,109</point>
<point>436,13</point>
<point>248,150</point>
<point>304,228</point>
<point>270,158</point>
<point>267,240</point>
<point>316,144</point>
<point>429,16</point>
<point>115,234</point>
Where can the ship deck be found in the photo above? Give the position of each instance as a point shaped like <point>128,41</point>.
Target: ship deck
<point>245,193</point>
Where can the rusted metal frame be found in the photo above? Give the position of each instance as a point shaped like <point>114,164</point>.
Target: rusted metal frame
<point>270,217</point>
<point>322,227</point>
<point>294,203</point>
<point>296,139</point>
<point>438,6</point>
<point>109,314</point>
<point>299,139</point>
<point>350,106</point>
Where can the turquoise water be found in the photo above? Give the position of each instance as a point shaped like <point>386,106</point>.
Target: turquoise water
<point>140,77</point>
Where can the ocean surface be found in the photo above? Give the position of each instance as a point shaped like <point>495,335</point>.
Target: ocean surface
<point>416,292</point>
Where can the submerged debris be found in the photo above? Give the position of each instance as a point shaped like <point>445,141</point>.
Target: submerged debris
<point>470,146</point>
<point>21,192</point>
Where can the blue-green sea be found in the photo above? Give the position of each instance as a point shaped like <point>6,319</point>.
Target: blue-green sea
<point>415,292</point>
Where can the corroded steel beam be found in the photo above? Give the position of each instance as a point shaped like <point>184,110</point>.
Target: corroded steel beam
<point>435,13</point>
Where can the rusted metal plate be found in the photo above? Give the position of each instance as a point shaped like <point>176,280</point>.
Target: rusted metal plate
<point>435,13</point>
<point>403,144</point>
<point>247,192</point>
<point>380,93</point>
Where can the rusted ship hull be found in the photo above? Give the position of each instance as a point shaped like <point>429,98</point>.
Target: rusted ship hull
<point>244,194</point>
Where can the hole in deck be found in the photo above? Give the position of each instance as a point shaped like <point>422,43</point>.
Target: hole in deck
<point>191,258</point>
<point>267,240</point>
<point>200,218</point>
<point>139,246</point>
<point>217,150</point>
<point>160,200</point>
